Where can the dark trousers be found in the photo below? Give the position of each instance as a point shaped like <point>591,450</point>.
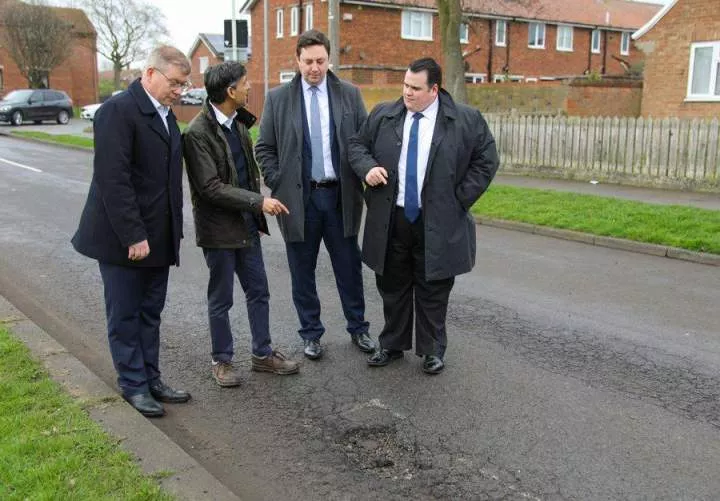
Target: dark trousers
<point>247,263</point>
<point>323,222</point>
<point>134,300</point>
<point>403,288</point>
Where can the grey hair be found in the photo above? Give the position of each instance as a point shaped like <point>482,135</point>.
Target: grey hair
<point>166,55</point>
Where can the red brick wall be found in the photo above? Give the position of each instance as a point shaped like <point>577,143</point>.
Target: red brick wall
<point>77,75</point>
<point>667,66</point>
<point>196,76</point>
<point>387,48</point>
<point>603,100</point>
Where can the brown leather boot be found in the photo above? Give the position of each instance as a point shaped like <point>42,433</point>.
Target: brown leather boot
<point>226,375</point>
<point>276,363</point>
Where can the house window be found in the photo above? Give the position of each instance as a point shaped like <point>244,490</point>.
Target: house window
<point>595,42</point>
<point>416,25</point>
<point>536,35</point>
<point>500,32</point>
<point>294,20</point>
<point>279,20</point>
<point>464,33</point>
<point>704,75</point>
<point>564,38</point>
<point>286,76</point>
<point>308,17</point>
<point>203,63</point>
<point>625,43</point>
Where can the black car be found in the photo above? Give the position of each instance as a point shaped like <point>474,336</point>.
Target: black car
<point>36,105</point>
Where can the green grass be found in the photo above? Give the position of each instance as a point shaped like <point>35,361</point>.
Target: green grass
<point>677,226</point>
<point>85,142</point>
<point>49,448</point>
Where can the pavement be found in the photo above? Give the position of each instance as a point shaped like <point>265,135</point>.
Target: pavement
<point>158,453</point>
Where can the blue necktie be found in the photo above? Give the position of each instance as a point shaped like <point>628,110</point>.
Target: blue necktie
<point>316,142</point>
<point>412,206</point>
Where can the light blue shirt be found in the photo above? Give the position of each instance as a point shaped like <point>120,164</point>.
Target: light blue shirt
<point>324,102</point>
<point>161,108</point>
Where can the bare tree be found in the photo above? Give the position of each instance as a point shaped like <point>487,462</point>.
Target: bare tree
<point>127,30</point>
<point>37,39</point>
<point>450,18</point>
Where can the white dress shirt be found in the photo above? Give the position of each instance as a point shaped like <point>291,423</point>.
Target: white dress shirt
<point>222,119</point>
<point>426,126</point>
<point>324,103</point>
<point>162,109</point>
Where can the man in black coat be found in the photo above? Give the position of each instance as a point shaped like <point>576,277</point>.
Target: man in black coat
<point>302,151</point>
<point>425,160</point>
<point>132,221</point>
<point>228,210</point>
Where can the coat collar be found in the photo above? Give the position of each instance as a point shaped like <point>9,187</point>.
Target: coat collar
<point>140,95</point>
<point>243,116</point>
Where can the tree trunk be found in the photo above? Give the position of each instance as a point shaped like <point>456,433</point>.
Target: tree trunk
<point>117,74</point>
<point>450,17</point>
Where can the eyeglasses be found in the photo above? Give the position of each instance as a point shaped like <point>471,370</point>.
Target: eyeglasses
<point>174,84</point>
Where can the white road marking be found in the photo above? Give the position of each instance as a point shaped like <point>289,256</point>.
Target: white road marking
<point>19,165</point>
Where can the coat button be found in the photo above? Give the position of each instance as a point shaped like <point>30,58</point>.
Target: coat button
<point>299,186</point>
<point>399,143</point>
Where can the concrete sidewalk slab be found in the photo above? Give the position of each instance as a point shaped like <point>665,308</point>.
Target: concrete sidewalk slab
<point>157,453</point>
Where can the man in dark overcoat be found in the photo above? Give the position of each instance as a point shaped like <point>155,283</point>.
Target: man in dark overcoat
<point>302,152</point>
<point>426,160</point>
<point>132,221</point>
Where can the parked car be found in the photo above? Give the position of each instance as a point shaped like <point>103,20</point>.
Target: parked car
<point>88,112</point>
<point>194,96</point>
<point>36,105</point>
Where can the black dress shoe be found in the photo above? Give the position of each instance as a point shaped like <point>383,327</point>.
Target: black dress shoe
<point>383,357</point>
<point>164,393</point>
<point>145,404</point>
<point>364,342</point>
<point>313,350</point>
<point>433,364</point>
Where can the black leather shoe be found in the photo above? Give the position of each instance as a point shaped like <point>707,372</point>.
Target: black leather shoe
<point>363,342</point>
<point>164,393</point>
<point>313,350</point>
<point>145,404</point>
<point>433,365</point>
<point>383,357</point>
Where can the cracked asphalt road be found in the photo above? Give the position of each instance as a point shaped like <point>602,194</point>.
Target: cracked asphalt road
<point>574,372</point>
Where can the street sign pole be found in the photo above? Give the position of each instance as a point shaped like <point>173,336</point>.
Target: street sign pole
<point>234,33</point>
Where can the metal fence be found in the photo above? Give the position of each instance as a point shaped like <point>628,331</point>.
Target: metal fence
<point>666,150</point>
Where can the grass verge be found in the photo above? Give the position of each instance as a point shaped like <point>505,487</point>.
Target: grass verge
<point>84,142</point>
<point>673,225</point>
<point>50,448</point>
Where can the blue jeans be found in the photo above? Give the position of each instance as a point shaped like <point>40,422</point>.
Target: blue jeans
<point>247,263</point>
<point>323,222</point>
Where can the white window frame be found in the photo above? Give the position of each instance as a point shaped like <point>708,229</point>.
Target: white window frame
<point>308,17</point>
<point>562,32</point>
<point>408,17</point>
<point>464,33</point>
<point>203,63</point>
<point>625,43</point>
<point>501,41</point>
<point>533,43</point>
<point>286,76</point>
<point>476,77</point>
<point>279,21</point>
<point>294,20</point>
<point>713,84</point>
<point>595,41</point>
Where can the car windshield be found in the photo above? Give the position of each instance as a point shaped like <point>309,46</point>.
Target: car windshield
<point>19,95</point>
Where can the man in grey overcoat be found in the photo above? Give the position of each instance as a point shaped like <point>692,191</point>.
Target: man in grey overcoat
<point>302,153</point>
<point>426,160</point>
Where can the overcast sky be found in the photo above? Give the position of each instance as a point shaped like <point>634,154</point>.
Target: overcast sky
<point>186,18</point>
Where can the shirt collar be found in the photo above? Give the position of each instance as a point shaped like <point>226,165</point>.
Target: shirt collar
<point>431,111</point>
<point>156,104</point>
<point>322,86</point>
<point>222,118</point>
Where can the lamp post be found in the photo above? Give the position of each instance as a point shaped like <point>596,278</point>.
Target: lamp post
<point>233,44</point>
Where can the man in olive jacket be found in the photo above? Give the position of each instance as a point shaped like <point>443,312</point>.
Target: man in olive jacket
<point>426,160</point>
<point>228,211</point>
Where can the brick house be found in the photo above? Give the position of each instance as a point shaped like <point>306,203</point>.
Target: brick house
<point>503,40</point>
<point>207,50</point>
<point>682,62</point>
<point>77,75</point>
